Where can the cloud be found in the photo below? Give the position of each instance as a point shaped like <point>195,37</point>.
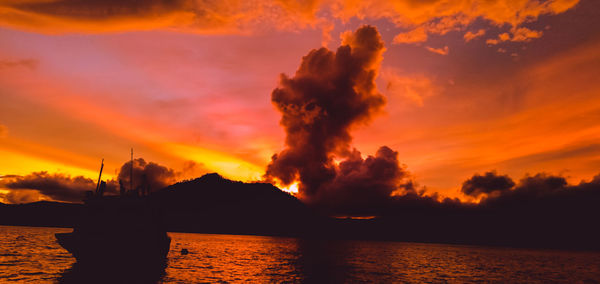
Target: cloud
<point>440,51</point>
<point>192,169</point>
<point>326,30</point>
<point>8,176</point>
<point>524,34</point>
<point>440,17</point>
<point>421,18</point>
<point>543,197</point>
<point>539,193</point>
<point>541,187</point>
<point>530,191</point>
<point>489,183</point>
<point>415,87</point>
<point>209,17</point>
<point>148,173</point>
<point>492,41</point>
<point>414,36</point>
<point>27,63</point>
<point>362,185</point>
<point>517,34</point>
<point>471,35</point>
<point>330,94</point>
<point>21,196</point>
<point>59,187</point>
<point>503,37</point>
<point>561,155</point>
<point>64,187</point>
<point>541,210</point>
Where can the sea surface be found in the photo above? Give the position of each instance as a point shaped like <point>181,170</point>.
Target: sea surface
<point>30,254</point>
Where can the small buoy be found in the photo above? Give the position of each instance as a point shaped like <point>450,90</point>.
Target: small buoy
<point>184,251</point>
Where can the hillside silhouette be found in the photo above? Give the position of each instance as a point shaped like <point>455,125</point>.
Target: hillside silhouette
<point>212,204</point>
<point>40,214</point>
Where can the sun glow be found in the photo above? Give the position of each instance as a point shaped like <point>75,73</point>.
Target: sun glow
<point>292,188</point>
<point>228,165</point>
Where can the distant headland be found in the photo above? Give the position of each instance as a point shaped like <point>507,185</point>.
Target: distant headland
<point>213,204</point>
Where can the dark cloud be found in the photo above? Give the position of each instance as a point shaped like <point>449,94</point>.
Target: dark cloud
<point>362,185</point>
<point>330,94</point>
<point>540,195</point>
<point>596,179</point>
<point>533,188</point>
<point>533,192</point>
<point>150,173</point>
<point>422,21</point>
<point>208,17</point>
<point>530,191</point>
<point>103,9</point>
<point>59,187</point>
<point>489,183</point>
<point>541,210</point>
<point>63,187</point>
<point>8,176</point>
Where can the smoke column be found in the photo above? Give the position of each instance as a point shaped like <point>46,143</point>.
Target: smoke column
<point>330,94</point>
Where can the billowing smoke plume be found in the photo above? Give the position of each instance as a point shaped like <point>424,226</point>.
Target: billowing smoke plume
<point>330,94</point>
<point>490,183</point>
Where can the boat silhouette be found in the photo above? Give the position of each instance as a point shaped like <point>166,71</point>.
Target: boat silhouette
<point>126,229</point>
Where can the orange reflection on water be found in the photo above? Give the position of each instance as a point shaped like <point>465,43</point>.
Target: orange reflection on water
<point>31,255</point>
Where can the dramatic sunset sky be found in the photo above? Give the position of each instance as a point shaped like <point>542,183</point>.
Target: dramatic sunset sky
<point>471,86</point>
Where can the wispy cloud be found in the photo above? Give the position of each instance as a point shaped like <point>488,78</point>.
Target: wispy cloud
<point>242,17</point>
<point>471,35</point>
<point>517,34</point>
<point>414,36</point>
<point>442,50</point>
<point>415,88</point>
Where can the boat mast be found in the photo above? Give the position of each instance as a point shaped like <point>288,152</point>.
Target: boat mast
<point>131,172</point>
<point>100,176</point>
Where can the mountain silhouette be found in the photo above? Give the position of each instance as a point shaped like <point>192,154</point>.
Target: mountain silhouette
<point>40,214</point>
<point>213,204</point>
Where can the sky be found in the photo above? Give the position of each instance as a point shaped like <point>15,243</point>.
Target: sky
<point>470,86</point>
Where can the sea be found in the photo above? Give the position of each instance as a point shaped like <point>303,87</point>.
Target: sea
<point>30,254</point>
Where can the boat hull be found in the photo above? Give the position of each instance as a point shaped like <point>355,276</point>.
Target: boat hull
<point>126,249</point>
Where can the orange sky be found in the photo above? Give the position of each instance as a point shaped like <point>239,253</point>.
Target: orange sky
<point>472,86</point>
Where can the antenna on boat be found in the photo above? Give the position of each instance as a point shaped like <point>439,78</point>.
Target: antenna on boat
<point>131,172</point>
<point>100,176</point>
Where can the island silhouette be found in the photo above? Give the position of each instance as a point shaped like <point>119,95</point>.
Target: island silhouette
<point>216,205</point>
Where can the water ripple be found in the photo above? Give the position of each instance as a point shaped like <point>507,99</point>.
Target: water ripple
<point>32,255</point>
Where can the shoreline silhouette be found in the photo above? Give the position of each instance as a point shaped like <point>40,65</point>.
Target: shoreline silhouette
<point>213,204</point>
